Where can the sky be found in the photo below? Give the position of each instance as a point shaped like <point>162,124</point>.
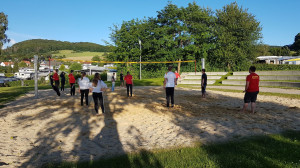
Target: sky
<point>90,20</point>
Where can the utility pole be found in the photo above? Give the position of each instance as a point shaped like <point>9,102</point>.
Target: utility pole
<point>35,77</point>
<point>140,42</point>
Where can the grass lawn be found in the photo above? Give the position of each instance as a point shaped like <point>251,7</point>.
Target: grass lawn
<point>11,93</point>
<point>84,55</point>
<point>279,150</point>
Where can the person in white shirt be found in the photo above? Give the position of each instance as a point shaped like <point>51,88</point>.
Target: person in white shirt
<point>169,84</point>
<point>97,87</point>
<point>83,84</point>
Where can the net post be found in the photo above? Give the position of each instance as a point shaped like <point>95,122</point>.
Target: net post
<point>195,67</point>
<point>35,77</point>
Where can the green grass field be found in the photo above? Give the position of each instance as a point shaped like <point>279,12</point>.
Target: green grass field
<point>84,55</point>
<point>279,150</point>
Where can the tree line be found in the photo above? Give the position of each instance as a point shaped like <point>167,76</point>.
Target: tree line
<point>228,38</point>
<point>44,47</point>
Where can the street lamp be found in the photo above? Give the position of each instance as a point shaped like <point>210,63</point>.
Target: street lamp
<point>140,42</point>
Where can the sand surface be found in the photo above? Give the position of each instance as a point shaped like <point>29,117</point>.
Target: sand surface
<point>54,129</point>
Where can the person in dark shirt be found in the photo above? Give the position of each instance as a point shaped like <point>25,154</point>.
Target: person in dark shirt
<point>203,83</point>
<point>62,81</point>
<point>121,79</point>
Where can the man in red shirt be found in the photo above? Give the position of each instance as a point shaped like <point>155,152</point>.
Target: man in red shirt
<point>129,83</point>
<point>72,83</point>
<point>251,89</point>
<point>56,81</point>
<point>177,76</point>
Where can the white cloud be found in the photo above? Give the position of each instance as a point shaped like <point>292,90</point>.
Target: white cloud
<point>12,42</point>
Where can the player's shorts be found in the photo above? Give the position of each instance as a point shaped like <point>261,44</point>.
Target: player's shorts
<point>250,97</point>
<point>203,89</point>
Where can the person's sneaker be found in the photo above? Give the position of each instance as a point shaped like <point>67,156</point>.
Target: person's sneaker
<point>172,105</point>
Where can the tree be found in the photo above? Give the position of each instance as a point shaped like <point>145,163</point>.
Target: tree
<point>280,51</point>
<point>62,67</point>
<point>16,66</point>
<point>296,45</point>
<point>75,66</point>
<point>236,33</point>
<point>3,28</point>
<point>22,64</point>
<point>262,50</point>
<point>95,58</point>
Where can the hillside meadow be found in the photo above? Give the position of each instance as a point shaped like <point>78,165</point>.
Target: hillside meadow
<point>79,55</point>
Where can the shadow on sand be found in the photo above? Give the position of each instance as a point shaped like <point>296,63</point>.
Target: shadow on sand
<point>63,130</point>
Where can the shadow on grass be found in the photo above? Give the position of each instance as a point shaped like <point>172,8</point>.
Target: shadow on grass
<point>280,150</point>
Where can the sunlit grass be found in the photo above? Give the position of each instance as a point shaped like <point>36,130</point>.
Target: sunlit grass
<point>279,150</point>
<point>84,55</point>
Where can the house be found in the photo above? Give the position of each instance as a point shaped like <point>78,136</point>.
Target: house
<point>294,61</point>
<point>28,63</point>
<point>6,64</point>
<point>274,59</point>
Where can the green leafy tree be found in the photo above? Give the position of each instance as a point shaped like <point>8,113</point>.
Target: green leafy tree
<point>16,67</point>
<point>3,28</point>
<point>22,64</point>
<point>95,58</point>
<point>262,50</point>
<point>236,34</point>
<point>75,66</point>
<point>62,67</point>
<point>280,51</point>
<point>296,45</point>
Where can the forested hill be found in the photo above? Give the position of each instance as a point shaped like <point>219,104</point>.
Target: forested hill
<point>40,46</point>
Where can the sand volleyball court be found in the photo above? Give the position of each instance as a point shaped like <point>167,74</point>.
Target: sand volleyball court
<point>55,129</point>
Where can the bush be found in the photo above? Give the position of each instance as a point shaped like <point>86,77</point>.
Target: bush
<point>274,67</point>
<point>9,75</point>
<point>26,83</point>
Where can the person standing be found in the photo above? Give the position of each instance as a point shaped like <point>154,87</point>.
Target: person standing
<point>177,76</point>
<point>56,81</point>
<point>169,84</point>
<point>97,87</point>
<point>203,83</point>
<point>129,83</point>
<point>83,84</point>
<point>251,89</point>
<point>62,81</point>
<point>72,83</point>
<point>121,79</point>
<point>113,80</point>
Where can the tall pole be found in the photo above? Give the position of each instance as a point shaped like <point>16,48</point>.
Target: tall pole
<point>49,65</point>
<point>140,42</point>
<point>35,77</point>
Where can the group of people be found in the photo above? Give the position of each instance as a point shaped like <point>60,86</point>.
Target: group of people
<point>97,87</point>
<point>55,79</point>
<point>251,87</point>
